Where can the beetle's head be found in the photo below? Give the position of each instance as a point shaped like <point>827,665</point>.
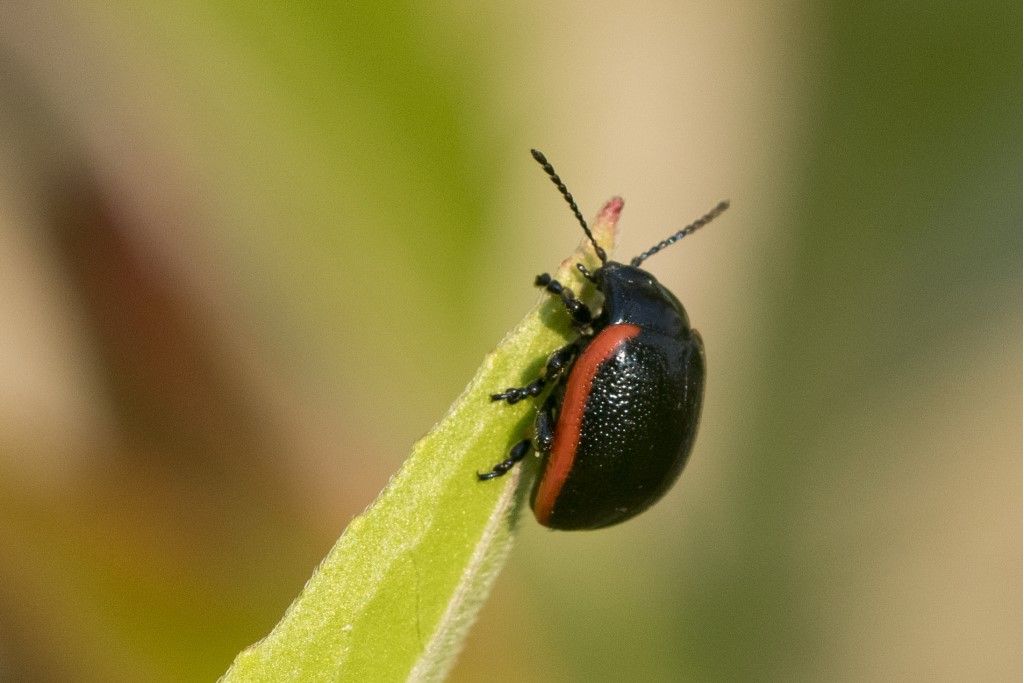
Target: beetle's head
<point>619,275</point>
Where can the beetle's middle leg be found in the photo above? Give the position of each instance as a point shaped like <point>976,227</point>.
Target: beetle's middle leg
<point>557,364</point>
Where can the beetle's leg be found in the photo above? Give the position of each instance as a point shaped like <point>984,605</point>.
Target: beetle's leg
<point>543,433</point>
<point>517,394</point>
<point>556,365</point>
<point>517,453</point>
<point>582,319</point>
<point>578,311</point>
<point>544,426</point>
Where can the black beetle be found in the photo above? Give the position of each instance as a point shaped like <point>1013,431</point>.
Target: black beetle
<point>619,424</point>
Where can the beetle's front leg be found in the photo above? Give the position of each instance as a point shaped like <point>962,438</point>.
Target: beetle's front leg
<point>578,311</point>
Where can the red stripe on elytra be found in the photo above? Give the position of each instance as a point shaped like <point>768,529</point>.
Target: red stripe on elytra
<point>570,417</point>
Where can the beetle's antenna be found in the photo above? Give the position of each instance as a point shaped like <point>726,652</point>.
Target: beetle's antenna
<point>692,227</point>
<point>550,170</point>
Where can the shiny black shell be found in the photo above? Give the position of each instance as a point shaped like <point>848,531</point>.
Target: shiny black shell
<point>640,409</point>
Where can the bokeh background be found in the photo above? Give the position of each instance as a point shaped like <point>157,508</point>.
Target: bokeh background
<point>248,254</point>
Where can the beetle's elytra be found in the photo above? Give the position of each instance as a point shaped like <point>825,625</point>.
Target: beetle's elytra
<point>620,420</point>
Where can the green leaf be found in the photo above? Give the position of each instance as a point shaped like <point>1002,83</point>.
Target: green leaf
<point>395,597</point>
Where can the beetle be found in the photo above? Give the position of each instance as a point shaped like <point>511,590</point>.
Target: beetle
<point>621,418</point>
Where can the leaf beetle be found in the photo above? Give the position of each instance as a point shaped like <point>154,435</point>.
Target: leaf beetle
<point>618,425</point>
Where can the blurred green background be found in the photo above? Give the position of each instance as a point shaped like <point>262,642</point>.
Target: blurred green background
<point>248,255</point>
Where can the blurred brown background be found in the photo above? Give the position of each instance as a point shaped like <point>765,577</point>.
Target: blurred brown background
<point>249,255</point>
